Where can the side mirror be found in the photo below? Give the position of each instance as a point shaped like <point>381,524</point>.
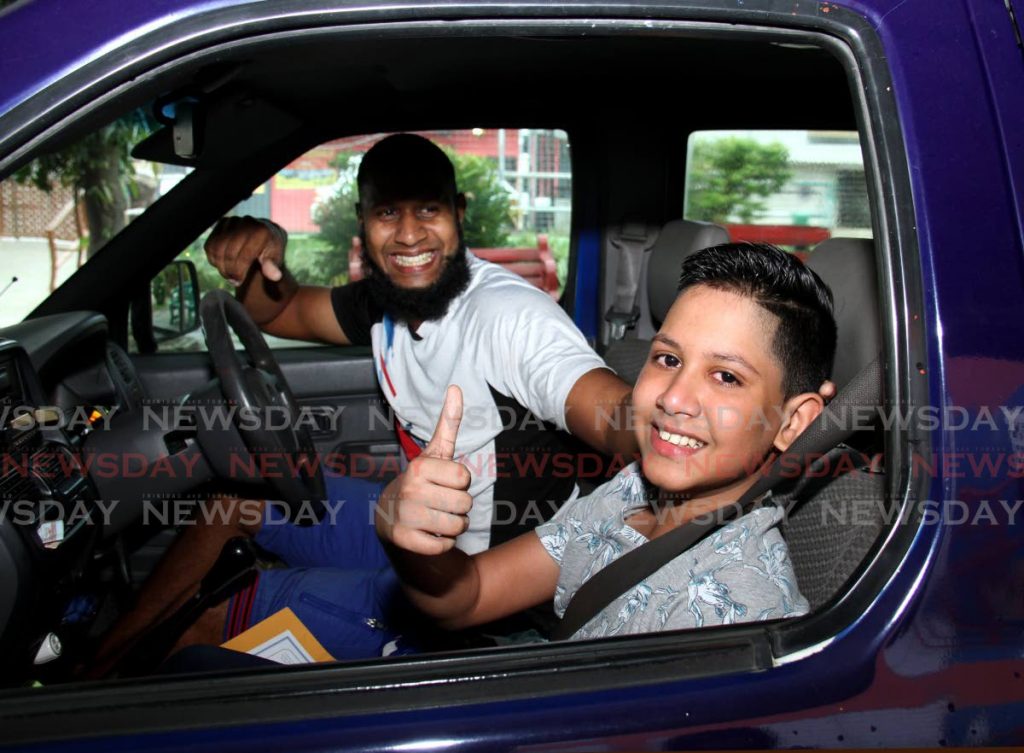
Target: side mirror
<point>175,301</point>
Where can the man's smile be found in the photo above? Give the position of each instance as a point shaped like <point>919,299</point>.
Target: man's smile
<point>413,261</point>
<point>424,264</point>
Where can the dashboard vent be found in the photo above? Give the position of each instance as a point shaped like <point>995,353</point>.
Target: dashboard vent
<point>15,481</point>
<point>48,464</point>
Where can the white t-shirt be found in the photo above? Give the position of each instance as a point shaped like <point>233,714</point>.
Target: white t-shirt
<point>511,349</point>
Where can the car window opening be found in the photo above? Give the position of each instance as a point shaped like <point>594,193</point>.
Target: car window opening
<point>729,179</point>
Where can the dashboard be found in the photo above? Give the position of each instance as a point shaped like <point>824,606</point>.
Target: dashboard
<point>89,467</point>
<point>60,381</point>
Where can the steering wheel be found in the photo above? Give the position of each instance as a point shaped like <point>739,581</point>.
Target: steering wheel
<point>259,391</point>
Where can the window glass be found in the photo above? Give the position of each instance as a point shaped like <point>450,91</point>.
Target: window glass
<point>518,187</point>
<point>792,188</point>
<point>63,207</point>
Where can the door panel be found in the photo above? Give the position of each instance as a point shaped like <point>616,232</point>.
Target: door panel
<point>337,384</point>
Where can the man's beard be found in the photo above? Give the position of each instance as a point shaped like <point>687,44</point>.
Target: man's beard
<point>411,305</point>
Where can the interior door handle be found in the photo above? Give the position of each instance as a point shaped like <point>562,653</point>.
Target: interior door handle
<point>326,420</point>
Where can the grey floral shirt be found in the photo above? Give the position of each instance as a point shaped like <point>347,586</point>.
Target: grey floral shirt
<point>740,573</point>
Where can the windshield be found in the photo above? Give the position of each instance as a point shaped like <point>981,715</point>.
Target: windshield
<point>61,208</point>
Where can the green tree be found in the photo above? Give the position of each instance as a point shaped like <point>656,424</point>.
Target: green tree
<point>99,167</point>
<point>731,177</point>
<point>336,216</point>
<point>488,207</point>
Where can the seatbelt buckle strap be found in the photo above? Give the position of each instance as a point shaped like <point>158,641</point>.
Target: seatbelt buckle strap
<point>620,321</point>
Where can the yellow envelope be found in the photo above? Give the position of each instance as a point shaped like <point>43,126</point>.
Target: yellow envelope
<point>282,638</point>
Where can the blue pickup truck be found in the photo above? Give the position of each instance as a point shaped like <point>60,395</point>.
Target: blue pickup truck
<point>609,126</point>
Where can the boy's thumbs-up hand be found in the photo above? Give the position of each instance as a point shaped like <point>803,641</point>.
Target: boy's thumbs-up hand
<point>426,507</point>
<point>442,444</point>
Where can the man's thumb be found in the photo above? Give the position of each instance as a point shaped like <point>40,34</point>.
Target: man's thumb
<point>442,444</point>
<point>271,270</point>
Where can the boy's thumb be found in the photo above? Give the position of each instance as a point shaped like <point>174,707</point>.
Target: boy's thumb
<point>442,444</point>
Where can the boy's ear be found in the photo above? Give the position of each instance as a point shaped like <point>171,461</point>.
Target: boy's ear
<point>798,413</point>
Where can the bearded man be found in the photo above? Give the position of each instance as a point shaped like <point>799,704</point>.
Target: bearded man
<point>434,315</point>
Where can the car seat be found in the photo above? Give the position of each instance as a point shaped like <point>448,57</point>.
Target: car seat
<point>834,519</point>
<point>677,240</point>
<point>826,546</point>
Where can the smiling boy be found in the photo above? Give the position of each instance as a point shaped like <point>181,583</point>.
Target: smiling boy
<point>732,378</point>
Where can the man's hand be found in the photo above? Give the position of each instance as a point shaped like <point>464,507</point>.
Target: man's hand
<point>425,508</point>
<point>827,390</point>
<point>237,242</point>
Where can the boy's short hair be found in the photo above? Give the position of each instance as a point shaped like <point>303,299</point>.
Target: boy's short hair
<point>805,339</point>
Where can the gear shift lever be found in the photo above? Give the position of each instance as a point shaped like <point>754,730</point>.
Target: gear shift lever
<point>234,569</point>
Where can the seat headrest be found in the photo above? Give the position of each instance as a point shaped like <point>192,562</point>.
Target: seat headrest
<point>847,265</point>
<point>677,240</point>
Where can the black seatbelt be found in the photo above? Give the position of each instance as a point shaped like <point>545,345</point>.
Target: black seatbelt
<point>833,426</point>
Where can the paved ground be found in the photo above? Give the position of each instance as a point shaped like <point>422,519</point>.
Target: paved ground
<point>29,261</point>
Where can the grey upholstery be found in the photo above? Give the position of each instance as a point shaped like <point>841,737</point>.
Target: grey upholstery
<point>847,265</point>
<point>830,532</point>
<point>627,357</point>
<point>677,240</point>
<point>834,521</point>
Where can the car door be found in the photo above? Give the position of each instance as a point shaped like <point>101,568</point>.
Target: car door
<point>897,656</point>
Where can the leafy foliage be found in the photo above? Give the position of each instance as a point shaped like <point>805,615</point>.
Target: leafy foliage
<point>313,261</point>
<point>486,224</point>
<point>336,216</point>
<point>488,206</point>
<point>731,177</point>
<point>100,167</point>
